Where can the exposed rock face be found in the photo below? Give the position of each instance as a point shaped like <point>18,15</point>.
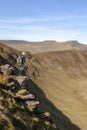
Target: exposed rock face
<point>20,109</point>
<point>7,69</point>
<point>32,104</point>
<point>22,79</point>
<point>28,96</point>
<point>47,117</point>
<point>17,104</point>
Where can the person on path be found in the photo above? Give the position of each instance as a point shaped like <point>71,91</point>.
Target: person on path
<point>21,63</point>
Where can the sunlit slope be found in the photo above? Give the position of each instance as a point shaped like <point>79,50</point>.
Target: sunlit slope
<point>63,79</point>
<point>60,81</point>
<point>14,114</point>
<point>45,46</point>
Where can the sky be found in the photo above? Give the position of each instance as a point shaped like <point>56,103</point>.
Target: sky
<point>39,20</point>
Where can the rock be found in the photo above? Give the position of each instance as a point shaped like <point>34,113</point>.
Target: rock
<point>7,69</point>
<point>11,71</point>
<point>47,117</point>
<point>47,114</point>
<point>22,79</point>
<point>32,104</point>
<point>29,96</point>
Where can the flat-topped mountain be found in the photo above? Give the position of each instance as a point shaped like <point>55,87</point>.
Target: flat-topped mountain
<point>45,46</point>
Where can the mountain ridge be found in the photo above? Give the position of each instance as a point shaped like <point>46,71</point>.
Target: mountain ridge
<point>59,78</point>
<point>44,46</point>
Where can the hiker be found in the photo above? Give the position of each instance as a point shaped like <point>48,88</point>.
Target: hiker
<point>21,62</point>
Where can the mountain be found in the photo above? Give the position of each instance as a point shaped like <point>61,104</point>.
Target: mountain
<point>63,79</point>
<point>18,104</point>
<point>45,46</point>
<point>59,78</point>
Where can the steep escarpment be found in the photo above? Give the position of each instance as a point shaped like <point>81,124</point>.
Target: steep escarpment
<point>19,106</point>
<point>63,80</point>
<point>59,80</point>
<point>72,62</point>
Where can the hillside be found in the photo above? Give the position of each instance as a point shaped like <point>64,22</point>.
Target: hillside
<point>45,46</point>
<point>59,79</point>
<point>18,105</point>
<point>64,79</point>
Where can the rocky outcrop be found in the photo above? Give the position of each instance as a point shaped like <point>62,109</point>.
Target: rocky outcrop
<point>22,79</point>
<point>19,105</point>
<point>7,69</point>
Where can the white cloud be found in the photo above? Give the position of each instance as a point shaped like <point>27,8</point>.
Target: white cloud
<point>41,19</point>
<point>41,35</point>
<point>25,27</point>
<point>39,29</point>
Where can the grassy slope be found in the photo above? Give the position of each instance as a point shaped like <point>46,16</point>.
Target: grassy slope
<point>8,116</point>
<point>60,82</point>
<point>63,81</point>
<point>14,115</point>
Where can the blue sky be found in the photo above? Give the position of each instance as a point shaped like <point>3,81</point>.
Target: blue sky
<point>38,20</point>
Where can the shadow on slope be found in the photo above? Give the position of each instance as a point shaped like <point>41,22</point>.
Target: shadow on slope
<point>62,120</point>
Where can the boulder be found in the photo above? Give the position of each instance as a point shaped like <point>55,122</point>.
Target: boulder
<point>32,104</point>
<point>7,69</point>
<point>22,79</point>
<point>29,96</point>
<point>47,117</point>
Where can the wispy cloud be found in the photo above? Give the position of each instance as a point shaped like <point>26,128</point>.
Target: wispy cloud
<point>41,19</point>
<point>47,34</point>
<point>25,27</point>
<point>82,24</point>
<point>36,29</point>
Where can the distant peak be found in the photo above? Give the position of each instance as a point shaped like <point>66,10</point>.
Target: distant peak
<point>49,41</point>
<point>73,43</point>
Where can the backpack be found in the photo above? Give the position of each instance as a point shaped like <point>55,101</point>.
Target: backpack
<point>19,61</point>
<point>23,59</point>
